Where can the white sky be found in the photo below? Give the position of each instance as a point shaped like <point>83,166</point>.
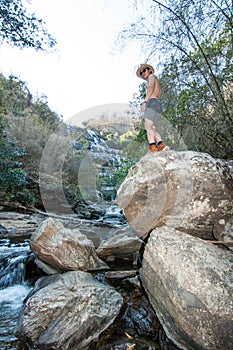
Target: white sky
<point>83,72</point>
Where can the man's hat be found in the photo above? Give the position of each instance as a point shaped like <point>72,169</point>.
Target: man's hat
<point>143,66</point>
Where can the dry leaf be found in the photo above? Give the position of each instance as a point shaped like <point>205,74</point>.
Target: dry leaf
<point>129,336</point>
<point>131,347</point>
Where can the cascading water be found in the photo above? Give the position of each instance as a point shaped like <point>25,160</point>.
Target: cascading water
<point>106,159</point>
<point>13,285</point>
<point>13,289</point>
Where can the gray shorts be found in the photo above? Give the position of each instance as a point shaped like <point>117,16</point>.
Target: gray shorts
<point>153,110</point>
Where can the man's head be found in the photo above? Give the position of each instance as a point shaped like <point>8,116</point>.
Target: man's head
<point>142,69</point>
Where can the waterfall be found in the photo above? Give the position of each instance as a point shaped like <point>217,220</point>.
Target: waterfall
<point>99,146</point>
<point>13,288</point>
<point>12,272</point>
<point>107,159</point>
<point>12,260</point>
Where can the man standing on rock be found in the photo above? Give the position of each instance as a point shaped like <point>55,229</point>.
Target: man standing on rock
<point>151,107</point>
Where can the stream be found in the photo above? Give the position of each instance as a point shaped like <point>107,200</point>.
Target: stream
<point>15,284</point>
<point>13,289</point>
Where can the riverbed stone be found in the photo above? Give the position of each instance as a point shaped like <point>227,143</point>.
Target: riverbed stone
<point>48,269</point>
<point>3,231</point>
<point>190,285</point>
<point>124,243</point>
<point>187,190</point>
<point>67,311</point>
<point>64,249</point>
<point>17,225</point>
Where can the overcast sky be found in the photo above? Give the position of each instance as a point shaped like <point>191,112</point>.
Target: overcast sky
<point>84,71</point>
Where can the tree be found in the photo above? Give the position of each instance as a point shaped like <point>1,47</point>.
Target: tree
<point>11,173</point>
<point>15,97</point>
<point>193,40</point>
<point>25,120</point>
<point>22,29</point>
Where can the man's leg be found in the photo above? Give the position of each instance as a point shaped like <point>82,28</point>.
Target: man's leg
<point>153,137</point>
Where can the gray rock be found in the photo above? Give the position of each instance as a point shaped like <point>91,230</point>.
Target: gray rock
<point>92,235</point>
<point>190,285</point>
<point>223,231</point>
<point>189,191</point>
<point>17,224</point>
<point>49,270</point>
<point>120,274</point>
<point>64,249</point>
<point>3,231</point>
<point>67,311</point>
<point>124,243</point>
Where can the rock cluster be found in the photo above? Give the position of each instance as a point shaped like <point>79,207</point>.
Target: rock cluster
<point>68,311</point>
<point>70,308</point>
<point>181,203</point>
<point>179,209</point>
<point>64,249</point>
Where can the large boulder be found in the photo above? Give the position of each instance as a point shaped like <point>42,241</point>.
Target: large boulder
<point>187,190</point>
<point>124,243</point>
<point>67,311</point>
<point>64,249</point>
<point>190,285</point>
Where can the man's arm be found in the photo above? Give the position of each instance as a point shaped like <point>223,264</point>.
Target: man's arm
<point>151,87</point>
<point>149,91</point>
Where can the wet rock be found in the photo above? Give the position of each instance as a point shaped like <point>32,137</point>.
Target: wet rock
<point>18,225</point>
<point>190,285</point>
<point>64,249</point>
<point>189,191</point>
<point>67,311</point>
<point>3,231</point>
<point>136,324</point>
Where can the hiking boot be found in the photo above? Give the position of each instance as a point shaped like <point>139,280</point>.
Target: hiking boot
<point>163,147</point>
<point>153,148</point>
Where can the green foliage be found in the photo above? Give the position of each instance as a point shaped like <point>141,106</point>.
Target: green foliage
<point>27,121</point>
<point>195,41</point>
<point>121,172</point>
<point>16,100</point>
<point>118,174</point>
<point>25,128</point>
<point>11,173</point>
<point>24,196</point>
<point>199,116</point>
<point>14,96</point>
<point>22,29</point>
<point>41,110</point>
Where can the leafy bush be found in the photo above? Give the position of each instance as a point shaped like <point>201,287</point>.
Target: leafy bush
<point>11,173</point>
<point>25,197</point>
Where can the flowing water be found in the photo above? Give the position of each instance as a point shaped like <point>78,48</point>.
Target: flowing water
<point>108,160</point>
<point>13,284</point>
<point>13,289</point>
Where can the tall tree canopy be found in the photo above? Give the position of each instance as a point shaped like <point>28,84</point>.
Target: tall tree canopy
<point>192,42</point>
<point>22,29</point>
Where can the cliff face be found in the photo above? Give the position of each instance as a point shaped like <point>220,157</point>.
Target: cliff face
<point>182,203</point>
